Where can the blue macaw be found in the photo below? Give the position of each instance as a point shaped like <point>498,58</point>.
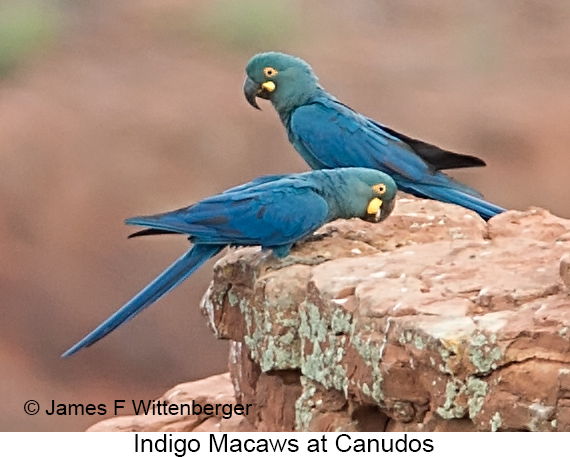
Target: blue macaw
<point>272,211</point>
<point>329,134</point>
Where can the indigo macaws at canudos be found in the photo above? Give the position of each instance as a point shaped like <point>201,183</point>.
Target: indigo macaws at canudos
<point>272,211</point>
<point>329,134</point>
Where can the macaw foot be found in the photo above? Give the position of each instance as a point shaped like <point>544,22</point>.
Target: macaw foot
<point>312,238</point>
<point>316,237</point>
<point>297,260</point>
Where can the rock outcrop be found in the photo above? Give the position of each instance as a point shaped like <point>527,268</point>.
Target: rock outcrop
<point>432,320</point>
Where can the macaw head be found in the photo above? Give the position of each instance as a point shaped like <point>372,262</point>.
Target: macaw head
<point>285,80</point>
<point>366,193</point>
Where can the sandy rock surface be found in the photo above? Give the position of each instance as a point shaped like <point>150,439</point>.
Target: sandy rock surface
<point>433,320</point>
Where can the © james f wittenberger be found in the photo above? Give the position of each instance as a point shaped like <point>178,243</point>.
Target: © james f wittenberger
<point>154,407</point>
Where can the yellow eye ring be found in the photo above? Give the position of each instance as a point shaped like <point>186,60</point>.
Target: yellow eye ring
<point>269,72</point>
<point>380,189</point>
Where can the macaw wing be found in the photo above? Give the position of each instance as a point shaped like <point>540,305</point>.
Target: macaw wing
<point>338,136</point>
<point>180,228</point>
<point>332,135</point>
<point>271,217</point>
<point>441,159</point>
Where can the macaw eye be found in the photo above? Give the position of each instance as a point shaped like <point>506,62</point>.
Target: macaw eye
<point>269,72</point>
<point>380,189</point>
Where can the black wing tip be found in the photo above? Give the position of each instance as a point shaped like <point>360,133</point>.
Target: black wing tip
<point>472,161</point>
<point>440,159</point>
<point>151,231</point>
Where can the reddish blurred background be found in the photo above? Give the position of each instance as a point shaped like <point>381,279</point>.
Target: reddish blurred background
<point>110,109</point>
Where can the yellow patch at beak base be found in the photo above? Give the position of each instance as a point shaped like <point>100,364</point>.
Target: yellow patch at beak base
<point>374,206</point>
<point>269,86</point>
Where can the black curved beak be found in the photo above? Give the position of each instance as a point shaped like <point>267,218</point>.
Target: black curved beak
<point>252,90</point>
<point>386,210</point>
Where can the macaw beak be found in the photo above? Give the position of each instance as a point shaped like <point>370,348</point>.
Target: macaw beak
<point>386,210</point>
<point>251,90</point>
<point>378,210</point>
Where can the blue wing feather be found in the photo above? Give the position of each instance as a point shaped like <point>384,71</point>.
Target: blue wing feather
<point>351,139</point>
<point>261,216</point>
<point>257,182</point>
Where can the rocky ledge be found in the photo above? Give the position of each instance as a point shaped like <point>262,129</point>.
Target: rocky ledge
<point>431,320</point>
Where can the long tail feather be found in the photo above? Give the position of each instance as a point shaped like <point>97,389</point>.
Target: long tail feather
<point>168,280</point>
<point>484,208</point>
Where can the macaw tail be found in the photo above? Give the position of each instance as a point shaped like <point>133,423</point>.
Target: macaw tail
<point>168,280</point>
<point>482,207</point>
